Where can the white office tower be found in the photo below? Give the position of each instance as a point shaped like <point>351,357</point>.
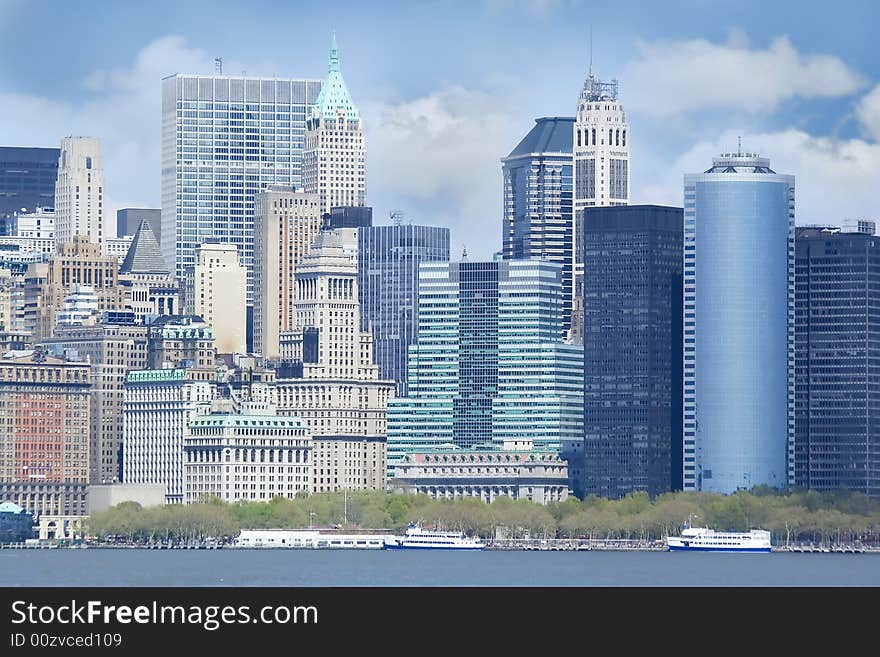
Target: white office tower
<point>79,191</point>
<point>224,138</point>
<point>214,289</point>
<point>334,160</point>
<point>601,169</point>
<point>158,408</point>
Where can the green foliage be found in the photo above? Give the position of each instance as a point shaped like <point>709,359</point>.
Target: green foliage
<point>796,516</point>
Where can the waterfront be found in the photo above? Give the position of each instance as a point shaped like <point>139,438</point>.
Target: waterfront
<point>168,568</point>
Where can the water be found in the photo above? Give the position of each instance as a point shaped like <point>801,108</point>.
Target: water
<point>165,568</point>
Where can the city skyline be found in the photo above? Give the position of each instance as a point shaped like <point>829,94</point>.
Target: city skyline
<point>438,125</point>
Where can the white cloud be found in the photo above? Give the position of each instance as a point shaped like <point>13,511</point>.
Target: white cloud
<point>122,107</point>
<point>835,180</point>
<point>868,113</point>
<point>669,78</point>
<point>441,153</point>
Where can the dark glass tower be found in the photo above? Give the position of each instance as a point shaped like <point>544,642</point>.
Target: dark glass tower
<point>388,280</point>
<point>538,221</point>
<point>837,361</point>
<point>632,349</point>
<point>27,180</point>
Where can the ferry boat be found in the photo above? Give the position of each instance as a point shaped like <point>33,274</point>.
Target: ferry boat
<point>417,538</point>
<point>702,539</point>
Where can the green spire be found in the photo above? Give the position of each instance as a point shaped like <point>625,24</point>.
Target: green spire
<point>334,56</point>
<point>334,94</point>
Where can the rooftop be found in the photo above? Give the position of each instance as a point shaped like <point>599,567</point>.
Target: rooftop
<point>550,134</point>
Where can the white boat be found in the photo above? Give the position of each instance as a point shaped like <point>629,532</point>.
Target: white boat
<point>702,539</point>
<point>417,538</point>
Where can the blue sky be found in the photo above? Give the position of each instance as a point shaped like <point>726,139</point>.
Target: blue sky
<point>448,88</point>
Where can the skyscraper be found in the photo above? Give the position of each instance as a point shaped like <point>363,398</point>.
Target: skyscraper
<point>738,324</point>
<point>214,289</point>
<point>538,220</point>
<point>27,182</point>
<point>489,365</point>
<point>329,379</point>
<point>286,222</point>
<point>128,220</point>
<point>223,139</point>
<point>837,361</point>
<point>632,350</point>
<point>79,191</point>
<point>388,273</point>
<point>334,160</point>
<point>601,165</point>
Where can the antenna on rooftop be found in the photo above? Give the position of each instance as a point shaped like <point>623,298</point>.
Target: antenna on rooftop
<point>739,145</point>
<point>591,50</point>
<point>218,65</point>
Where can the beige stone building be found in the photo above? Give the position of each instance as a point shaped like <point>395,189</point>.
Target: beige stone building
<point>286,223</point>
<point>215,289</point>
<point>328,377</point>
<point>48,284</point>
<point>79,192</point>
<point>44,433</point>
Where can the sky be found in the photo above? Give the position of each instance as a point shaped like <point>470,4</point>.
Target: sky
<point>446,89</point>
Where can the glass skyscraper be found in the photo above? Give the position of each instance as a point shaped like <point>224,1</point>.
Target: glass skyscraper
<point>538,221</point>
<point>489,364</point>
<point>632,350</point>
<point>837,360</point>
<point>388,273</point>
<point>224,138</point>
<point>738,325</point>
<point>27,181</point>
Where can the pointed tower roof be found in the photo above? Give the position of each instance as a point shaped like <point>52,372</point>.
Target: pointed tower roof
<point>334,94</point>
<point>144,256</point>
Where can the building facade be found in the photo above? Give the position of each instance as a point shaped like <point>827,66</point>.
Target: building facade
<point>224,138</point>
<point>112,350</point>
<point>215,290</point>
<point>44,433</point>
<point>328,378</point>
<point>601,147</point>
<point>40,223</point>
<point>79,192</point>
<point>286,222</point>
<point>150,289</point>
<point>27,182</point>
<point>837,361</point>
<point>489,365</point>
<point>485,472</point>
<point>157,410</point>
<point>334,159</point>
<point>181,341</point>
<point>388,280</point>
<point>738,325</point>
<point>538,221</point>
<point>247,457</point>
<point>632,350</point>
<point>77,263</point>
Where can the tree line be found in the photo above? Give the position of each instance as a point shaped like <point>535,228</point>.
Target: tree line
<point>792,517</point>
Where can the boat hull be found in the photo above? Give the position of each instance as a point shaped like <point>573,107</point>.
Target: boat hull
<point>450,548</point>
<point>681,548</point>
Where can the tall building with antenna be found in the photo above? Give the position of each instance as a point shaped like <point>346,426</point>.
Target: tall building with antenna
<point>334,158</point>
<point>601,146</point>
